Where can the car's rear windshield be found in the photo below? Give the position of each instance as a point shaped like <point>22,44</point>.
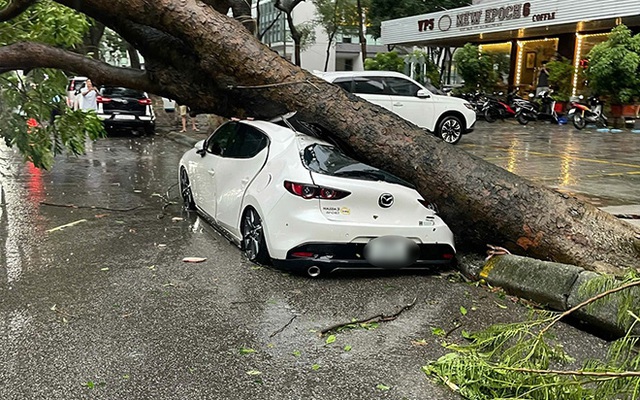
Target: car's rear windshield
<point>328,160</point>
<point>122,92</point>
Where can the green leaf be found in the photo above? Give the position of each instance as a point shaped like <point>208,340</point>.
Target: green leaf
<point>437,331</point>
<point>463,310</point>
<point>500,305</point>
<point>296,353</point>
<point>381,386</point>
<point>315,367</point>
<point>330,339</point>
<point>90,384</point>
<point>254,372</point>
<point>246,350</point>
<point>347,348</point>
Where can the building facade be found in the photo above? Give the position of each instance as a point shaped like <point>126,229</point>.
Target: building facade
<point>344,53</point>
<point>527,33</point>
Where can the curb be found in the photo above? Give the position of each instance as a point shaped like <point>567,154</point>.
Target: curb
<point>560,287</point>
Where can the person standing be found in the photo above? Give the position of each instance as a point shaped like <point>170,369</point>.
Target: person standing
<point>89,97</point>
<point>183,113</point>
<point>543,79</point>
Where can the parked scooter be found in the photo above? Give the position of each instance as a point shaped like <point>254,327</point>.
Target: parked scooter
<point>582,114</point>
<point>494,109</point>
<point>531,111</point>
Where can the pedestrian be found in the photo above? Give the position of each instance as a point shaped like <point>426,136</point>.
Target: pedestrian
<point>89,97</point>
<point>543,79</point>
<point>184,110</point>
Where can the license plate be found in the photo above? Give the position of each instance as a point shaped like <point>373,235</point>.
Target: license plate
<point>391,252</point>
<point>128,117</point>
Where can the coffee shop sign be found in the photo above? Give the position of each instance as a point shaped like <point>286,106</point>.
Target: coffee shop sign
<point>484,18</point>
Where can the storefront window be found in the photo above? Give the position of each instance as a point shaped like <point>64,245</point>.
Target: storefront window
<point>584,44</point>
<point>500,54</point>
<point>531,55</point>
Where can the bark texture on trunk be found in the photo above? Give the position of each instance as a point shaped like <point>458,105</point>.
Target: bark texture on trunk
<point>211,63</point>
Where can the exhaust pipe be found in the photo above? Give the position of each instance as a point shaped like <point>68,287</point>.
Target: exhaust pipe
<point>313,271</point>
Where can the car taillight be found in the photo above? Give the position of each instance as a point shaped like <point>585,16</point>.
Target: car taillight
<point>314,192</point>
<point>145,102</point>
<point>430,206</point>
<point>101,99</point>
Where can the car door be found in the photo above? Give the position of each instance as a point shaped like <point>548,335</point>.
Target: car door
<point>372,89</point>
<point>407,104</point>
<point>237,168</point>
<point>207,168</point>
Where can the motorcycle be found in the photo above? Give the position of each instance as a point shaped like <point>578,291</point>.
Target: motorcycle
<point>581,114</point>
<point>494,108</point>
<point>531,111</point>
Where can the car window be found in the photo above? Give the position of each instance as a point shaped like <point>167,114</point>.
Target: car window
<point>329,160</point>
<point>370,85</point>
<point>222,139</point>
<point>248,142</point>
<point>401,87</point>
<point>344,83</point>
<point>122,92</point>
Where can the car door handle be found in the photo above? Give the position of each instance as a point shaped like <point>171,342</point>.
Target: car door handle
<point>398,104</point>
<point>211,172</point>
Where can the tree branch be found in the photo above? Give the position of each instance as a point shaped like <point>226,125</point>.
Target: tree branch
<point>25,55</point>
<point>374,318</point>
<point>15,8</point>
<point>587,302</point>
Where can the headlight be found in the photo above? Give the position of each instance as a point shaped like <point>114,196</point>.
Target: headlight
<point>468,105</point>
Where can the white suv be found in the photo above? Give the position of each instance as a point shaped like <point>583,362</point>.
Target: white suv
<point>448,117</point>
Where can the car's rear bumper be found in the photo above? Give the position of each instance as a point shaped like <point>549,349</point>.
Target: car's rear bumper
<point>330,257</point>
<point>127,121</point>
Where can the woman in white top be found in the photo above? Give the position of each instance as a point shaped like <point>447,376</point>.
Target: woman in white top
<point>89,97</point>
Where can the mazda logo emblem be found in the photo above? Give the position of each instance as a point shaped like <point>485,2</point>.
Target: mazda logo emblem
<point>385,200</point>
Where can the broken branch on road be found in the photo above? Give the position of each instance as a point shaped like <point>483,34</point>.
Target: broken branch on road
<point>284,327</point>
<point>44,203</point>
<point>375,318</point>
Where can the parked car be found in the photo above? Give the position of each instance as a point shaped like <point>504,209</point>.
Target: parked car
<point>448,117</point>
<point>74,98</point>
<point>121,108</point>
<point>287,197</point>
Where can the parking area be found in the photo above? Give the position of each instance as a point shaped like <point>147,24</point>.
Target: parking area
<point>601,167</point>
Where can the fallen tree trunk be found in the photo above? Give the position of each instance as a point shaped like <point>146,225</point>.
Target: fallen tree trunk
<point>215,65</point>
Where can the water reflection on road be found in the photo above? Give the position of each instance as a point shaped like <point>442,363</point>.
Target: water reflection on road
<point>603,166</point>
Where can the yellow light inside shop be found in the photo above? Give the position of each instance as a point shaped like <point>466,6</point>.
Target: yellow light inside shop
<point>519,63</point>
<point>576,64</point>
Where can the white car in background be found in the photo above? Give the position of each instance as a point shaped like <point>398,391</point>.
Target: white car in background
<point>292,199</point>
<point>447,117</point>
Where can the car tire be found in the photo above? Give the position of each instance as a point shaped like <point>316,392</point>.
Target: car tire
<point>185,191</point>
<point>450,129</point>
<point>254,245</point>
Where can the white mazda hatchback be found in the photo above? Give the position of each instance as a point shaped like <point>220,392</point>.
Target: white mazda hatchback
<point>289,198</point>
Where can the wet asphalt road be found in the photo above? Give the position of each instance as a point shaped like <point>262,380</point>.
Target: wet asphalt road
<point>600,166</point>
<point>109,301</point>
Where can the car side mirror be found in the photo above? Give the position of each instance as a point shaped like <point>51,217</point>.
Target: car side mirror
<point>423,94</point>
<point>199,146</point>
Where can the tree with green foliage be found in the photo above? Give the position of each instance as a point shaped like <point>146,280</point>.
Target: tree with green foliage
<point>514,361</point>
<point>561,78</point>
<point>475,68</point>
<point>614,66</point>
<point>382,10</point>
<point>390,61</point>
<point>31,99</point>
<point>336,17</point>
